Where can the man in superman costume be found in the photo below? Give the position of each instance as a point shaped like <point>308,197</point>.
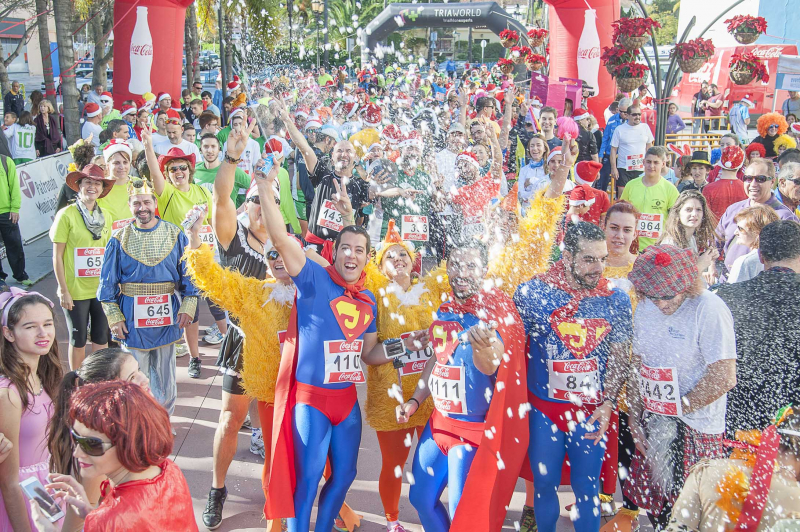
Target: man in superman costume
<point>316,412</point>
<point>579,332</point>
<point>471,444</point>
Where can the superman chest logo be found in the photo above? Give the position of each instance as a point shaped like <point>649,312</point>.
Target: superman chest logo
<point>444,338</point>
<point>352,316</point>
<point>581,335</point>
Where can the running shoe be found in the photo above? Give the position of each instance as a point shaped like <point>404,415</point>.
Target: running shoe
<point>194,368</point>
<point>247,424</point>
<point>527,522</point>
<point>181,350</point>
<point>257,443</point>
<point>212,515</point>
<point>397,527</point>
<point>214,338</point>
<point>212,330</point>
<point>26,282</point>
<point>339,524</point>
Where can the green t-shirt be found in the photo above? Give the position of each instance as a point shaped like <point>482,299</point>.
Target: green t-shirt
<point>323,79</point>
<point>241,182</point>
<point>395,208</point>
<point>222,135</point>
<point>114,114</point>
<point>654,204</point>
<point>173,204</point>
<point>68,228</point>
<point>115,206</point>
<point>287,203</point>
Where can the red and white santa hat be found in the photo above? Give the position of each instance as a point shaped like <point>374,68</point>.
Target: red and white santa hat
<point>302,111</point>
<point>92,109</point>
<point>732,158</point>
<point>106,98</point>
<point>313,123</point>
<point>172,113</point>
<point>128,110</point>
<point>553,153</point>
<point>580,196</point>
<point>392,134</point>
<point>747,101</point>
<point>117,146</point>
<point>274,146</point>
<point>162,95</point>
<point>350,109</point>
<point>795,128</point>
<point>470,157</point>
<point>412,139</point>
<point>580,114</point>
<point>371,115</point>
<point>233,85</point>
<point>586,172</point>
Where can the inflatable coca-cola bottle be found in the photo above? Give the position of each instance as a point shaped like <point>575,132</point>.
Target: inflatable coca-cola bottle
<point>589,51</point>
<point>141,54</point>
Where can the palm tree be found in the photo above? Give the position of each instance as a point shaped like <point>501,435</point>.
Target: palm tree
<point>64,13</point>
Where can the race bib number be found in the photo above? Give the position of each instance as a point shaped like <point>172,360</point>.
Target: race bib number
<point>575,381</point>
<point>448,389</point>
<point>119,224</point>
<point>634,162</point>
<point>329,217</point>
<point>473,226</point>
<point>650,225</point>
<point>440,96</point>
<point>88,261</point>
<point>207,236</point>
<point>659,390</point>
<point>343,362</point>
<point>281,339</point>
<point>152,311</point>
<point>414,361</point>
<point>415,228</point>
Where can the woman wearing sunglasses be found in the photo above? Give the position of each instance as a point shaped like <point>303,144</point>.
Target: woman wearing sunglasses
<point>29,375</point>
<point>121,433</point>
<point>770,126</point>
<point>101,366</point>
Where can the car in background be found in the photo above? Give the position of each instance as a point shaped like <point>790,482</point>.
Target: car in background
<point>84,76</point>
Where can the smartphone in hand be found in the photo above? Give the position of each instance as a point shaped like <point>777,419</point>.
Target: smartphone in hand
<point>35,491</point>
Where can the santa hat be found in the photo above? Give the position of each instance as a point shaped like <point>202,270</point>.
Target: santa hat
<point>233,85</point>
<point>172,113</point>
<point>795,128</point>
<point>747,101</point>
<point>392,134</point>
<point>350,109</point>
<point>117,146</point>
<point>371,115</point>
<point>274,146</point>
<point>92,109</point>
<point>236,112</point>
<point>554,152</point>
<point>128,110</point>
<point>302,111</point>
<point>580,114</point>
<point>732,158</point>
<point>581,195</point>
<point>412,139</point>
<point>313,123</point>
<point>470,157</point>
<point>162,95</point>
<point>586,172</point>
<point>106,98</point>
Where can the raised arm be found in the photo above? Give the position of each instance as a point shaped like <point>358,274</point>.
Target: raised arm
<point>508,106</point>
<point>159,182</point>
<point>223,215</point>
<point>462,106</point>
<point>293,257</point>
<point>297,137</point>
<point>559,178</point>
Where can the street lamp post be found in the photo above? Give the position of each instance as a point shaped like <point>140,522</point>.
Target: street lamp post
<point>326,62</point>
<point>317,6</point>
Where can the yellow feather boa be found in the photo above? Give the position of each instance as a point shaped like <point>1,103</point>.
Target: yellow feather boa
<point>248,301</point>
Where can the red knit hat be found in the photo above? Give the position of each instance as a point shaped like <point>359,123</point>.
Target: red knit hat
<point>586,172</point>
<point>663,271</point>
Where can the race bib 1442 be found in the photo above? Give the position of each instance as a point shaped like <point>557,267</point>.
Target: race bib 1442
<point>659,390</point>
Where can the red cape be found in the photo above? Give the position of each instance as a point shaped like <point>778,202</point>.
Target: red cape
<point>488,488</point>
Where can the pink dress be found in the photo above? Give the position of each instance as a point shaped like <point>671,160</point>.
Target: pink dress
<point>33,454</point>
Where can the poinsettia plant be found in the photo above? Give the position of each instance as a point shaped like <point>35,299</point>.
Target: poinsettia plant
<point>747,61</point>
<point>511,35</point>
<point>537,33</point>
<point>634,27</point>
<point>631,70</point>
<point>536,58</point>
<point>503,62</point>
<point>695,48</point>
<point>746,24</point>
<point>617,55</point>
<point>521,51</point>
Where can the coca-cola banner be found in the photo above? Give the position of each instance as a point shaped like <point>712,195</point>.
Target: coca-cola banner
<point>577,37</point>
<point>148,48</point>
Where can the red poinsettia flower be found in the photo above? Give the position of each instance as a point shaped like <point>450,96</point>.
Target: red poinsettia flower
<point>521,50</point>
<point>536,58</point>
<point>634,27</point>
<point>631,70</point>
<point>749,62</point>
<point>509,34</point>
<point>617,55</point>
<point>695,48</point>
<point>537,33</point>
<point>503,61</point>
<point>746,24</point>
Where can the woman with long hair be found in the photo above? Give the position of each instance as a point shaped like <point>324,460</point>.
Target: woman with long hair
<point>30,372</point>
<point>121,433</point>
<point>48,134</point>
<point>36,98</point>
<point>104,365</point>
<point>691,224</point>
<point>535,169</point>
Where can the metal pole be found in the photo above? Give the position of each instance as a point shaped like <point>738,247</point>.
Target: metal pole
<point>317,17</point>
<point>222,62</point>
<point>289,5</point>
<point>469,42</point>
<point>327,52</point>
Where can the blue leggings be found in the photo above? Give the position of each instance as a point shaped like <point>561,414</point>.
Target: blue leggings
<point>546,453</point>
<point>314,440</point>
<point>433,470</point>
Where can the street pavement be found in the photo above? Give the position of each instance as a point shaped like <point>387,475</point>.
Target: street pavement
<point>195,419</point>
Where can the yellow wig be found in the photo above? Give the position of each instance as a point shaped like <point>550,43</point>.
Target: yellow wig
<point>784,141</point>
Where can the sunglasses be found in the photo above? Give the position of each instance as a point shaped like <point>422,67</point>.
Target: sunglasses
<point>759,178</point>
<point>181,167</point>
<point>254,199</point>
<point>273,254</point>
<point>634,114</point>
<point>795,181</point>
<point>89,444</point>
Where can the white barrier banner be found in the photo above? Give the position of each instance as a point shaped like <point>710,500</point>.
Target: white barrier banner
<point>39,183</point>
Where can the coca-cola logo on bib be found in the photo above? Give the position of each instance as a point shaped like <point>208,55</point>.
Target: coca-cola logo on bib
<point>589,53</point>
<point>142,49</point>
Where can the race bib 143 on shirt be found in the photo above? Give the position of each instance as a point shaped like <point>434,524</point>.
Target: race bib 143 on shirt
<point>329,217</point>
<point>88,261</point>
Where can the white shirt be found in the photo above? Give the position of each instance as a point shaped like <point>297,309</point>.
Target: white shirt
<point>250,156</point>
<point>185,146</point>
<point>745,267</point>
<point>88,129</point>
<point>158,138</point>
<point>20,141</point>
<point>446,165</point>
<point>698,334</point>
<point>630,141</point>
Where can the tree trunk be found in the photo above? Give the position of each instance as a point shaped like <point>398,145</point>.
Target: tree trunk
<point>44,47</point>
<point>64,12</point>
<point>100,27</point>
<point>5,84</point>
<point>192,46</point>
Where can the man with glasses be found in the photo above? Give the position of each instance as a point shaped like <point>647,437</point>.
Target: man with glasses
<point>605,148</point>
<point>788,191</point>
<point>759,181</point>
<point>629,143</point>
<point>197,91</point>
<point>174,130</point>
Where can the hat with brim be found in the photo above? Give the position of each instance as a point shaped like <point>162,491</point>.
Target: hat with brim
<point>174,154</point>
<point>701,157</point>
<point>92,171</point>
<point>663,271</point>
